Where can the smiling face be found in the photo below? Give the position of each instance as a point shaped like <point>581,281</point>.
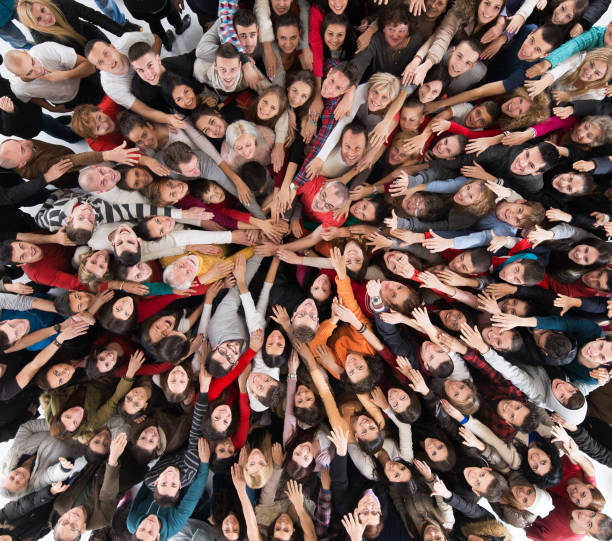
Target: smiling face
<point>72,418</point>
<point>275,343</point>
<point>27,67</point>
<point>227,353</point>
<point>513,273</point>
<point>462,263</point>
<point>364,210</point>
<point>225,449</point>
<point>368,509</point>
<point>304,397</point>
<point>256,461</point>
<point>436,449</point>
<point>214,195</point>
<point>221,418</point>
<point>563,390</point>
<point>395,261</point>
<point>398,399</point>
<point>585,133</point>
<point>353,256</point>
<point>184,97</point>
<point>512,213</point>
<point>411,118</point>
<point>379,97</point>
<point>365,429</point>
<point>433,533</point>
<point>137,178</point>
<point>25,252</point>
<point>488,10</point>
<point>106,58</point>
<point>528,162</point>
<point>245,145</point>
<point>59,374</point>
<point>123,308</point>
<point>534,47</point>
<point>298,94</point>
<point>452,319</point>
<point>287,38</point>
<point>79,301</point>
<point>597,279</point>
<point>168,483</point>
<point>173,191</point>
<point>394,293</point>
<point>569,183</point>
<point>396,35</point>
<point>525,495</point>
<point>457,391</point>
<point>328,198</point>
<point>17,479</point>
<point>430,91</point>
<point>160,226</point>
<point>136,400</point>
<point>72,523</point>
<point>396,155</point>
<point>447,147</point>
<point>100,443</point>
<point>102,124</point>
<point>42,15</point>
<point>212,126</point>
<point>478,118</point>
<point>283,528</point>
<point>512,411</point>
<point>516,107</point>
<point>587,521</point>
<point>334,36</point>
<point>356,367</point>
<point>478,478</point>
<point>516,307</point>
<point>396,472</point>
<point>303,454</point>
<point>321,288</point>
<point>248,37</point>
<point>579,492</point>
<point>14,329</point>
<point>148,529</point>
<point>140,272</point>
<point>268,106</point>
<point>148,439</point>
<point>228,70</point>
<point>280,7</point>
<point>82,217</point>
<point>178,380</point>
<point>106,360</point>
<point>498,339</point>
<point>260,384</point>
<point>538,460</point>
<point>334,85</point>
<point>16,153</point>
<point>97,263</point>
<point>583,254</point>
<point>433,356</point>
<point>160,328</point>
<point>564,13</point>
<point>144,136</point>
<point>352,147</point>
<point>596,353</point>
<point>149,68</point>
<point>463,58</point>
<point>231,527</point>
<point>185,270</point>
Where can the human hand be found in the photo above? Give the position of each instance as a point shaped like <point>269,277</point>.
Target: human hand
<point>538,235</point>
<point>563,112</point>
<point>219,270</point>
<point>353,527</point>
<point>296,229</point>
<point>306,59</point>
<point>431,281</point>
<point>472,338</point>
<point>74,328</point>
<point>470,440</point>
<point>53,76</point>
<point>557,215</point>
<point>576,30</point>
<point>476,171</point>
<point>343,107</point>
<point>494,32</point>
<point>117,447</point>
<point>243,378</point>
<point>360,192</point>
<point>343,313</point>
<point>197,213</point>
<point>204,450</point>
<point>409,71</point>
<point>122,154</point>
<point>451,410</point>
<point>416,144</point>
<point>453,279</point>
<point>559,435</point>
<point>238,478</point>
<point>19,288</point>
<point>293,363</point>
<point>493,48</point>
<point>515,24</point>
<point>251,77</point>
<point>584,166</point>
<point>60,237</point>
<point>154,166</point>
<point>378,242</point>
<point>440,125</point>
<point>313,167</point>
<point>488,303</point>
<point>562,422</point>
<point>256,340</point>
<point>295,494</point>
<point>135,288</point>
<point>212,291</point>
<point>278,457</point>
<point>204,378</point>
<point>288,256</point>
<point>439,489</point>
<point>342,213</point>
<point>57,170</point>
<point>420,73</point>
<point>337,261</point>
<point>537,86</point>
<point>280,316</point>
<point>424,469</point>
<point>379,135</point>
<point>277,157</point>
<point>501,289</point>
<point>407,237</point>
<point>175,123</point>
<point>566,303</point>
<point>538,69</point>
<point>436,243</point>
<point>480,145</point>
<point>559,96</point>
<point>7,105</point>
<point>66,464</point>
<point>373,288</point>
<point>137,359</point>
<point>601,374</point>
<point>57,488</point>
<point>325,477</point>
<point>392,317</point>
<point>379,398</point>
<point>507,321</point>
<point>497,242</point>
<point>339,437</point>
<point>517,138</point>
<point>600,218</point>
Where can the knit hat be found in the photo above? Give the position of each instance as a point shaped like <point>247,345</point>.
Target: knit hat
<point>260,368</point>
<point>542,504</point>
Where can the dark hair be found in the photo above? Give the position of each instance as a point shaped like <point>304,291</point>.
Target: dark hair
<point>199,187</point>
<point>533,218</point>
<point>129,258</point>
<point>138,50</point>
<point>443,370</point>
<point>575,401</point>
<point>557,346</point>
<point>209,432</point>
<point>4,341</point>
<point>292,468</point>
<point>434,206</point>
<point>255,176</point>
<point>203,110</point>
<point>531,421</point>
<point>348,46</point>
<point>355,127</point>
<point>6,252</point>
<point>481,259</point>
<point>473,44</point>
<point>172,349</point>
<point>123,170</point>
<point>177,153</point>
<point>493,109</point>
<point>214,367</point>
<point>534,271</point>
<point>61,303</point>
<point>147,323</point>
<point>497,488</point>
<point>227,50</point>
<point>128,121</point>
<point>142,231</point>
<point>550,155</point>
<point>78,236</point>
<point>274,361</point>
<point>554,475</point>
<point>314,414</point>
<point>438,73</point>
<point>380,210</point>
<point>91,44</point>
<point>118,326</point>
<point>372,447</point>
<point>303,76</point>
<point>165,501</point>
<point>349,70</point>
<point>43,383</point>
<point>605,529</point>
<point>273,396</point>
<point>244,17</point>
<point>449,463</point>
<point>175,398</point>
<point>552,34</point>
<point>394,15</point>
<point>169,81</point>
<point>91,364</point>
<point>286,19</point>
<point>57,428</point>
<point>414,410</point>
<point>303,333</point>
<point>369,382</point>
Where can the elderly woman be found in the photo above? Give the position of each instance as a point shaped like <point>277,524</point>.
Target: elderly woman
<point>246,142</point>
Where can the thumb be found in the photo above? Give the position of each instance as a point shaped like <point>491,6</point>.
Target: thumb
<point>433,234</point>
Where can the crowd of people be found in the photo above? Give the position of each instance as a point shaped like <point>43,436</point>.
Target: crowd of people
<point>341,271</point>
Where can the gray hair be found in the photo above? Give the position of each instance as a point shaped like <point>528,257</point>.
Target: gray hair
<point>603,123</point>
<point>85,177</point>
<point>167,277</point>
<point>238,128</point>
<point>341,190</point>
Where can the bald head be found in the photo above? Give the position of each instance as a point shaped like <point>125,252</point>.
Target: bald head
<point>15,153</point>
<point>23,65</point>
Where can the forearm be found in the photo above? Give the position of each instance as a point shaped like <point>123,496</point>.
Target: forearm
<point>81,70</point>
<point>31,339</point>
<point>29,370</point>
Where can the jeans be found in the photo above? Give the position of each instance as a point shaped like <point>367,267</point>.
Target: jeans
<point>11,33</point>
<point>111,10</point>
<point>55,128</point>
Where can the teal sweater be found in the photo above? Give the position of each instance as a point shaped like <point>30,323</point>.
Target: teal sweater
<point>591,39</point>
<point>171,519</point>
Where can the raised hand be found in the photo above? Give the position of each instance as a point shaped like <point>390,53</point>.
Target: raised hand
<point>295,494</point>
<point>203,450</point>
<point>451,410</point>
<point>488,303</point>
<point>470,440</point>
<point>256,340</point>
<point>278,457</point>
<point>337,261</point>
<point>472,338</point>
<point>136,361</point>
<point>439,489</point>
<point>379,398</point>
<point>424,469</point>
<point>353,527</point>
<point>417,381</point>
<point>566,303</point>
<point>339,437</point>
<point>117,447</point>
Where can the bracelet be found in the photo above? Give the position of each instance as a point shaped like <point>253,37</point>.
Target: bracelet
<point>464,420</point>
<point>57,327</point>
<point>535,133</point>
<point>122,284</point>
<point>362,329</point>
<point>292,376</point>
<point>56,343</point>
<point>374,189</point>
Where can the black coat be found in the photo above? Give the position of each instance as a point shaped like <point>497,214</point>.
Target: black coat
<point>28,515</point>
<point>25,121</point>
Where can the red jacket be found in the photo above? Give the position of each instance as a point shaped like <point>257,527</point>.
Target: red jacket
<point>55,268</point>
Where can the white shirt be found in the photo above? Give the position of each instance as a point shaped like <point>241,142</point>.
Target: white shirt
<point>119,87</point>
<point>117,196</point>
<point>54,57</point>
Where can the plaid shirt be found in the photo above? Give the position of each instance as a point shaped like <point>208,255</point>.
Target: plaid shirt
<point>492,387</point>
<point>328,123</point>
<point>227,32</point>
<point>323,512</point>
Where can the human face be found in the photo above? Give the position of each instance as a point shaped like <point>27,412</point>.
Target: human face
<point>534,47</point>
<point>433,355</point>
<point>447,147</point>
<point>139,272</point>
<point>260,384</point>
<point>149,68</point>
<point>396,155</point>
<point>14,329</point>
<point>334,36</point>
<point>525,495</point>
<point>106,360</point>
<point>435,8</point>
<point>72,418</point>
<point>608,35</point>
<point>178,379</point>
<point>363,210</point>
<point>538,460</point>
<point>287,38</point>
<point>353,256</point>
<point>583,254</point>
<point>227,353</point>
<point>498,339</point>
<point>169,482</point>
<point>173,191</point>
<point>185,270</point>
<point>337,6</point>
<point>512,411</point>
<point>394,293</point>
<point>82,217</point>
<point>304,397</point>
<point>356,367</point>
<point>321,288</point>
<point>488,10</point>
<point>478,478</point>
<point>462,263</point>
<point>100,443</point>
<point>396,35</point>
<point>103,124</point>
<point>80,301</point>
<point>16,153</point>
<point>562,390</point>
<point>569,183</point>
<point>430,91</point>
<point>160,226</point>
<point>306,314</point>
<point>298,94</point>
<point>275,343</point>
<point>379,98</point>
<point>144,137</point>
<point>399,400</point>
<point>245,145</point>
<point>72,523</point>
<point>436,450</point>
<point>516,107</point>
<point>231,527</point>
<point>25,252</point>
<point>221,418</point>
<point>516,307</point>
<point>410,118</point>
<point>214,196</point>
<point>97,263</point>
<point>136,400</point>
<point>212,126</point>
<point>587,521</point>
<point>148,529</point>
<point>396,472</point>
<point>463,58</point>
<point>268,106</point>
<point>184,97</point>
<point>564,13</point>
<point>137,178</point>
<point>352,147</point>
<point>597,279</point>
<point>225,449</point>
<point>395,261</point>
<point>513,273</point>
<point>123,308</point>
<point>365,428</point>
<point>579,492</point>
<point>280,7</point>
<point>328,198</point>
<point>106,58</point>
<point>458,391</point>
<point>334,85</point>
<point>368,510</point>
<point>585,133</point>
<point>452,319</point>
<point>596,353</point>
<point>160,328</point>
<point>59,374</point>
<point>30,68</point>
<point>528,162</point>
<point>148,439</point>
<point>17,479</point>
<point>283,527</point>
<point>433,533</point>
<point>228,70</point>
<point>303,454</point>
<point>512,213</point>
<point>256,461</point>
<point>478,118</point>
<point>248,37</point>
<point>42,15</point>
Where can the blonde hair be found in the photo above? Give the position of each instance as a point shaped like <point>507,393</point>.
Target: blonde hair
<point>401,137</point>
<point>61,29</point>
<point>89,278</point>
<point>387,81</point>
<point>82,122</point>
<point>483,205</point>
<point>470,405</point>
<point>571,80</point>
<point>259,479</point>
<point>538,111</point>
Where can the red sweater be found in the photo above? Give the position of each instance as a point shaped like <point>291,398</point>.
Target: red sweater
<point>110,140</point>
<point>55,268</point>
<point>555,526</point>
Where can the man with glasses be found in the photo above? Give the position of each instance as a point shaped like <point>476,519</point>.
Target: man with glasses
<point>322,199</point>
